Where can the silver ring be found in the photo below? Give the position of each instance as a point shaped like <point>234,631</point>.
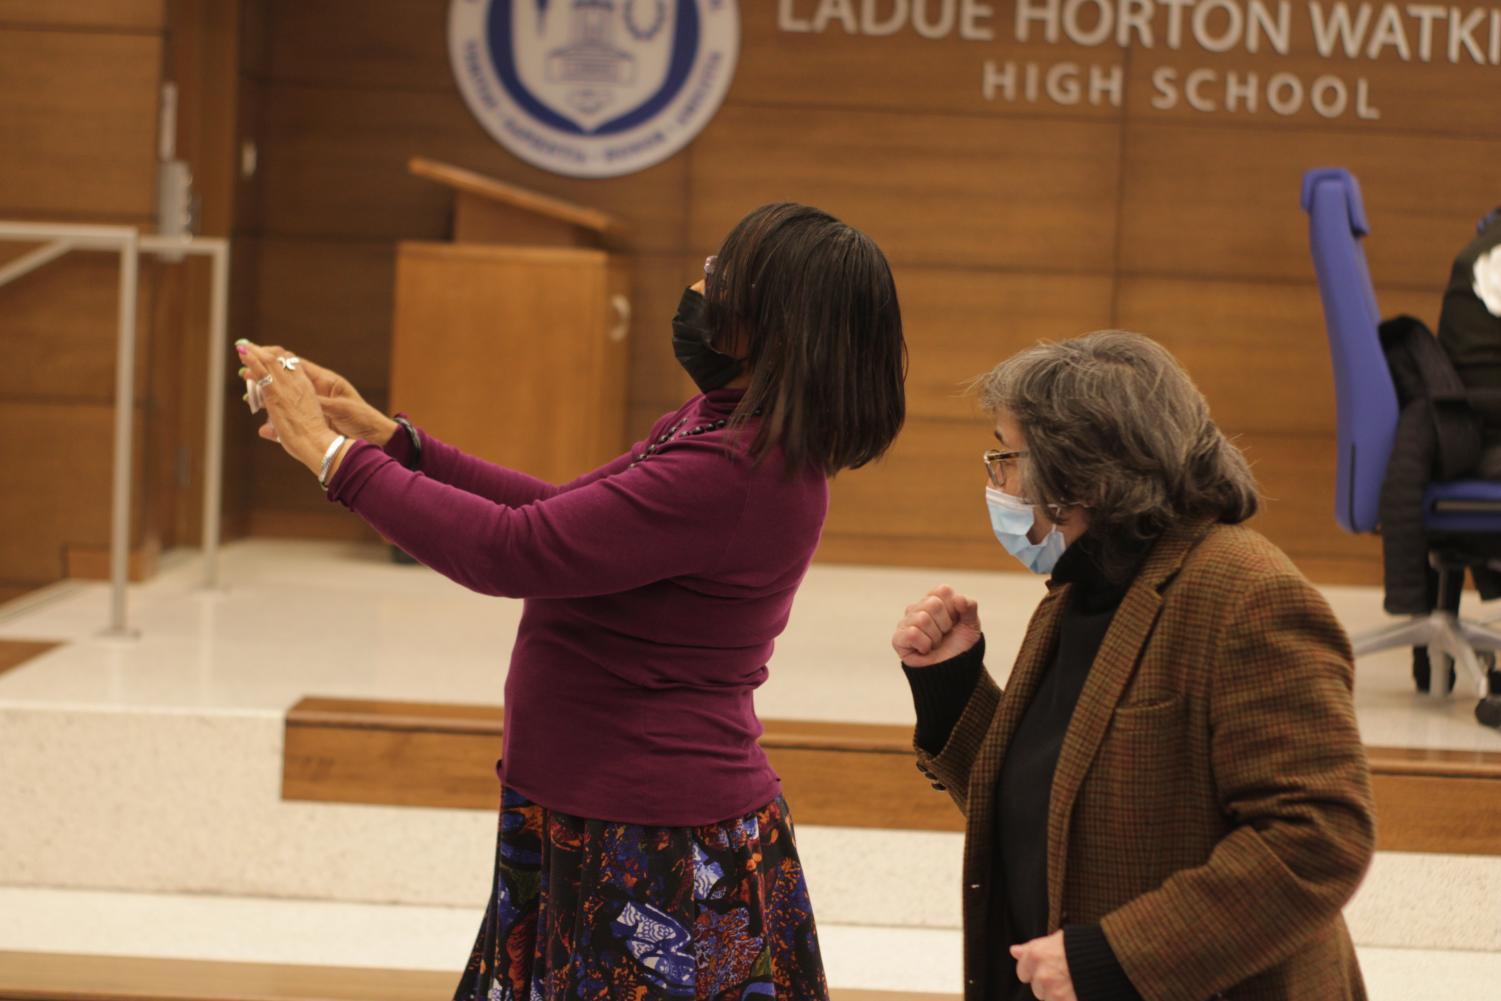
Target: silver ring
<point>289,362</point>
<point>264,381</point>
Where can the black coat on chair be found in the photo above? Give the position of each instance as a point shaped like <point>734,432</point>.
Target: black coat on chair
<point>1438,438</point>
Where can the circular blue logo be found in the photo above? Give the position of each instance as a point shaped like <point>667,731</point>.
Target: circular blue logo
<point>593,88</point>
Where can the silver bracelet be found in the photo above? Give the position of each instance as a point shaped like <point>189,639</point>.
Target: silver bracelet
<point>328,460</point>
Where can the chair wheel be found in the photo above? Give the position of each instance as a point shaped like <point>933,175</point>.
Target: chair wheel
<point>1488,711</point>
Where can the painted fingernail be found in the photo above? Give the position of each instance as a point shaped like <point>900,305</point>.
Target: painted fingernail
<point>245,397</point>
<point>243,340</point>
<point>243,372</point>
<point>242,351</point>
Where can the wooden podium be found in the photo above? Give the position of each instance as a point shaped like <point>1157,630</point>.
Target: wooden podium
<point>510,342</point>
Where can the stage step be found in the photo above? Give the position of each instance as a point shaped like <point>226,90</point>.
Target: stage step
<point>64,977</point>
<point>855,775</point>
<point>178,800</point>
<point>14,653</point>
<point>206,948</point>
<point>425,754</point>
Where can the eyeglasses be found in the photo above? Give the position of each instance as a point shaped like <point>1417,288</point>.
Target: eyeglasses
<point>995,464</point>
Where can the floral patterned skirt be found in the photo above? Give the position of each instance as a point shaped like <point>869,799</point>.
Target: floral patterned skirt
<point>599,911</point>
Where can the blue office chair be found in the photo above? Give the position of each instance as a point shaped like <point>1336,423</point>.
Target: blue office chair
<point>1367,411</point>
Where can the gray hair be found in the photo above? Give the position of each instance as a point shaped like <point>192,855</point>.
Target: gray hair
<point>1114,423</point>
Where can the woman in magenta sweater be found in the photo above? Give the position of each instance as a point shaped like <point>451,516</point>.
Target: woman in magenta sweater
<point>645,850</point>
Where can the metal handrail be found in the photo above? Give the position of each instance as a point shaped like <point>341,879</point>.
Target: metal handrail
<point>130,243</point>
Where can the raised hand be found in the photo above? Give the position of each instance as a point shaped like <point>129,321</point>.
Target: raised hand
<point>294,416</point>
<point>343,407</point>
<point>939,626</point>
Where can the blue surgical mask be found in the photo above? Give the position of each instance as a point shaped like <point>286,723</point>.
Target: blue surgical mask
<point>1012,518</point>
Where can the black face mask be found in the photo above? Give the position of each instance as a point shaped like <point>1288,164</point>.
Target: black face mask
<point>708,368</point>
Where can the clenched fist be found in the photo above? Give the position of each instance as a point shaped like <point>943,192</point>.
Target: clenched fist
<point>938,627</point>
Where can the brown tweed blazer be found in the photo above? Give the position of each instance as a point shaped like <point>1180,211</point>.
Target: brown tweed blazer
<point>1211,807</point>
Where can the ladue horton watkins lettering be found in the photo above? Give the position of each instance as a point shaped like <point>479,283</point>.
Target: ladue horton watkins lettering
<point>1225,31</point>
<point>1414,32</point>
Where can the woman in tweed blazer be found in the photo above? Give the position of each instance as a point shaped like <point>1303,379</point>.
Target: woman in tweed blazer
<point>1170,799</point>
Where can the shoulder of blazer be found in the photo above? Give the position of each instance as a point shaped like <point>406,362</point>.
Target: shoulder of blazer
<point>1206,550</point>
<point>1239,551</point>
<point>1225,565</point>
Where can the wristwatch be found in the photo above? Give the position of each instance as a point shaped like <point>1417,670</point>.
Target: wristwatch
<point>414,458</point>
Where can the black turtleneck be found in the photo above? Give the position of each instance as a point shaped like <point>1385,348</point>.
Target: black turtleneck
<point>1019,891</point>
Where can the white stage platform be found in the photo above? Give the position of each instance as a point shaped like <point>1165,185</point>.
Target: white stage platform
<point>300,618</point>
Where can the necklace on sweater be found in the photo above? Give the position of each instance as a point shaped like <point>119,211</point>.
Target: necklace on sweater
<point>678,431</point>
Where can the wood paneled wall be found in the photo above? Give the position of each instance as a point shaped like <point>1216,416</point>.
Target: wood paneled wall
<point>78,123</point>
<point>1006,223</point>
<point>80,85</point>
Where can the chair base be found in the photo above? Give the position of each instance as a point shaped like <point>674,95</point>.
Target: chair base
<point>1441,632</point>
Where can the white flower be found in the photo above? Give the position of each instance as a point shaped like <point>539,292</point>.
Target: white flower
<point>1488,280</point>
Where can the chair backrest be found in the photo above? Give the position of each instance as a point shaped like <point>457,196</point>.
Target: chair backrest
<point>1365,397</point>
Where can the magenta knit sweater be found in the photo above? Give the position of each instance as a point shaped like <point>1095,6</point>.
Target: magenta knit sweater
<point>654,591</point>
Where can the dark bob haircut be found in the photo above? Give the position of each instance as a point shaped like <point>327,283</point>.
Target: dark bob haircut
<point>813,303</point>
